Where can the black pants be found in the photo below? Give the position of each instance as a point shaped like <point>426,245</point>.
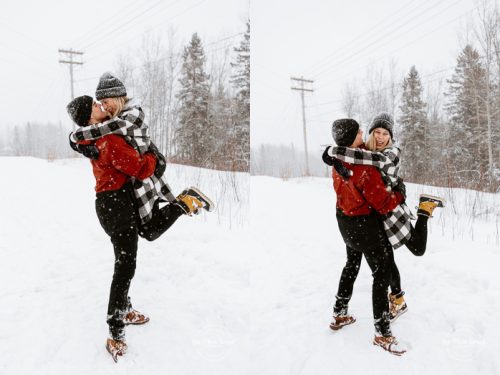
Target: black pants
<point>364,235</point>
<point>117,213</point>
<point>418,241</point>
<point>416,244</point>
<point>351,270</point>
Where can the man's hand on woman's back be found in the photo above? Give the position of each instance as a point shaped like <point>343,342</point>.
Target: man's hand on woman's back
<point>88,150</point>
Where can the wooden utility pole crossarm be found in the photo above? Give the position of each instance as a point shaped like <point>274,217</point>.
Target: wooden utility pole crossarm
<point>70,53</point>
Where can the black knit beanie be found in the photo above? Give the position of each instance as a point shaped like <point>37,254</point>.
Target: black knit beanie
<point>382,120</point>
<point>344,131</point>
<point>80,109</point>
<point>109,87</point>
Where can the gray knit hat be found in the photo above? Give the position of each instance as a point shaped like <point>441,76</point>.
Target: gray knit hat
<point>80,109</point>
<point>344,131</point>
<point>109,87</point>
<point>382,120</point>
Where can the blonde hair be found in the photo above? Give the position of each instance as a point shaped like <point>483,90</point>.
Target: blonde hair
<point>120,102</point>
<point>371,144</point>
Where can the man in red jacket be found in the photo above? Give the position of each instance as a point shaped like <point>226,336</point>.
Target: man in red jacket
<point>361,200</point>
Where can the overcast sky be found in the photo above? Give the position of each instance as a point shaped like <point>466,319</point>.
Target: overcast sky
<point>34,86</point>
<point>332,42</point>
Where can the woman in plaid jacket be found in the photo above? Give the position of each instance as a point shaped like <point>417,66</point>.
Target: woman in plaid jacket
<point>118,168</point>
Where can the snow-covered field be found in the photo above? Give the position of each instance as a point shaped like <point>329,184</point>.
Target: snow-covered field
<point>57,265</point>
<point>245,290</point>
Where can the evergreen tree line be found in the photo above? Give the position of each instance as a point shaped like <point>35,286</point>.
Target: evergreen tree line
<point>449,131</point>
<point>197,114</point>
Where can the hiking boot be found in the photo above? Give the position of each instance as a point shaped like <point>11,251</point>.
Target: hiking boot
<point>389,343</point>
<point>340,321</point>
<point>116,348</point>
<point>384,338</point>
<point>191,200</point>
<point>428,203</point>
<point>397,306</point>
<point>135,317</point>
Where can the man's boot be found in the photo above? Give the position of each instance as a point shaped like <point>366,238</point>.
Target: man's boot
<point>134,317</point>
<point>116,348</point>
<point>340,321</point>
<point>341,317</point>
<point>385,339</point>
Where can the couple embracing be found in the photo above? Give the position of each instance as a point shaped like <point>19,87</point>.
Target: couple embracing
<point>374,220</point>
<point>130,185</point>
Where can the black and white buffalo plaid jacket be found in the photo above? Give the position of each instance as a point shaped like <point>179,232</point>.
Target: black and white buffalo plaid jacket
<point>397,223</point>
<point>130,124</point>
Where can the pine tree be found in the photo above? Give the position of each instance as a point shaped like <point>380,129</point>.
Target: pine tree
<point>222,113</point>
<point>194,138</point>
<point>241,81</point>
<point>413,123</point>
<point>466,108</point>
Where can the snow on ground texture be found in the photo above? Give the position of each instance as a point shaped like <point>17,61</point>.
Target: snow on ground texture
<point>452,291</point>
<point>226,297</point>
<point>57,265</point>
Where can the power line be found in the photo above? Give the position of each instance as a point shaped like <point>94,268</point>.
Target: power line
<point>403,46</point>
<point>147,30</point>
<point>388,33</point>
<point>38,43</point>
<point>132,22</point>
<point>101,26</point>
<point>177,55</point>
<point>368,31</point>
<point>380,90</point>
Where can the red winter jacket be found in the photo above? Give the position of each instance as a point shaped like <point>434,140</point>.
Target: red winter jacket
<point>363,191</point>
<point>117,162</point>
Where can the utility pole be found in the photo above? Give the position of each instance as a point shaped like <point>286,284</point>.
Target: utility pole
<point>69,53</point>
<point>301,80</point>
<point>71,62</point>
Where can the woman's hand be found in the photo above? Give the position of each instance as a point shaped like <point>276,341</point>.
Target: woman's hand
<point>336,163</point>
<point>401,187</point>
<point>161,162</point>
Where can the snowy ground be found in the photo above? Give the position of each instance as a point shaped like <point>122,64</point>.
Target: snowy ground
<point>228,297</point>
<point>452,292</point>
<point>57,265</point>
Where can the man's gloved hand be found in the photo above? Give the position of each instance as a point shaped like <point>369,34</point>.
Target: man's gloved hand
<point>161,162</point>
<point>89,151</point>
<point>341,169</point>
